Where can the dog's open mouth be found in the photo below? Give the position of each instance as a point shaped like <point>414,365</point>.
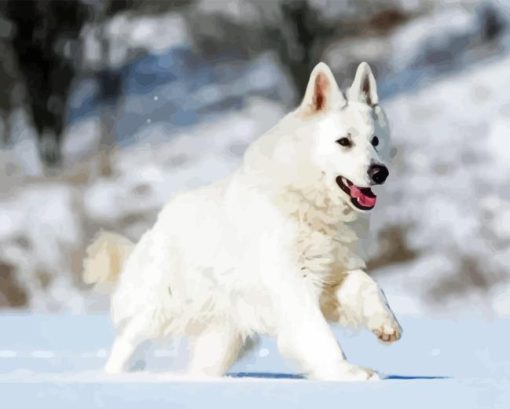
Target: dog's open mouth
<point>361,197</point>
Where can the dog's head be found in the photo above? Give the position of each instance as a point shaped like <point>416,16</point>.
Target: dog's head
<point>349,138</point>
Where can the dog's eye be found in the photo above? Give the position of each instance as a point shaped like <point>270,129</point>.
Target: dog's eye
<point>375,141</point>
<point>344,142</point>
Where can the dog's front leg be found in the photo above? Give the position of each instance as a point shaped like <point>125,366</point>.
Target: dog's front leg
<point>361,300</point>
<point>305,337</point>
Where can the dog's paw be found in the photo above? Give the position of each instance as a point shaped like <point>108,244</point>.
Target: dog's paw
<point>387,330</point>
<point>113,367</point>
<point>345,372</point>
<point>353,373</point>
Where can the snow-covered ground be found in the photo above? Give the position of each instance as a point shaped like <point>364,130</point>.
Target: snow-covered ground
<point>55,361</point>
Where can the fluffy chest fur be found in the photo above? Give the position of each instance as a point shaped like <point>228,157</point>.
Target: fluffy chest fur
<point>328,236</point>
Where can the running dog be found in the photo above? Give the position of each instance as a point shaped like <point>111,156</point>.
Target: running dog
<point>272,249</point>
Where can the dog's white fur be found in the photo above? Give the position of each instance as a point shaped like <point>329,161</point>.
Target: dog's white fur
<point>272,249</point>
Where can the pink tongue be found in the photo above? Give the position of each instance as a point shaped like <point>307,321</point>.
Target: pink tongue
<point>363,199</point>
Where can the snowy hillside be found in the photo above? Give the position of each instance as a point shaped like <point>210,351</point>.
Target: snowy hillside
<point>449,194</point>
<point>46,224</point>
<point>443,214</point>
<point>441,231</point>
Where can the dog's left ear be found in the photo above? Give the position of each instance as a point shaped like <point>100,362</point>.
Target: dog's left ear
<point>364,87</point>
<point>322,92</point>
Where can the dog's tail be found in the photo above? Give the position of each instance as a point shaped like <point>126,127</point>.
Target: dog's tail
<point>105,259</point>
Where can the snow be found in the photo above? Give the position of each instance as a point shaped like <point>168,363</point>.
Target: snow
<point>433,36</point>
<point>127,33</point>
<point>177,89</point>
<point>55,361</point>
<point>449,187</point>
<point>190,159</point>
<point>31,223</point>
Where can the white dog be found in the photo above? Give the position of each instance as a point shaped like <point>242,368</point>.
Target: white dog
<point>272,249</point>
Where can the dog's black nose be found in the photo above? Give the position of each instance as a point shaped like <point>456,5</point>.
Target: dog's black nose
<point>378,173</point>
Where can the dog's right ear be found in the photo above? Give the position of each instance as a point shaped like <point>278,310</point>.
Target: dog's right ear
<point>322,92</point>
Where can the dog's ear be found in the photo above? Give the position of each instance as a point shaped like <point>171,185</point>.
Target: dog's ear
<point>322,92</point>
<point>364,87</point>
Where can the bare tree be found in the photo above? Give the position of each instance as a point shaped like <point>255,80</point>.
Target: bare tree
<point>10,84</point>
<point>47,48</point>
<point>298,31</point>
<point>110,83</point>
<point>300,40</point>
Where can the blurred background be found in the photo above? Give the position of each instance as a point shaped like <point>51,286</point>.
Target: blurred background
<point>109,107</point>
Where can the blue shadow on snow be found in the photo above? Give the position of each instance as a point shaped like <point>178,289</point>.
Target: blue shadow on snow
<point>277,375</point>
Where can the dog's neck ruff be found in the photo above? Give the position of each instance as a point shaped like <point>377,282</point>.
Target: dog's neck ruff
<point>319,201</point>
<point>328,229</point>
<point>329,232</point>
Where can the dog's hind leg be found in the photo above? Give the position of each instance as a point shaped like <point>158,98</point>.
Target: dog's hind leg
<point>136,331</point>
<point>214,350</point>
<point>362,301</point>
